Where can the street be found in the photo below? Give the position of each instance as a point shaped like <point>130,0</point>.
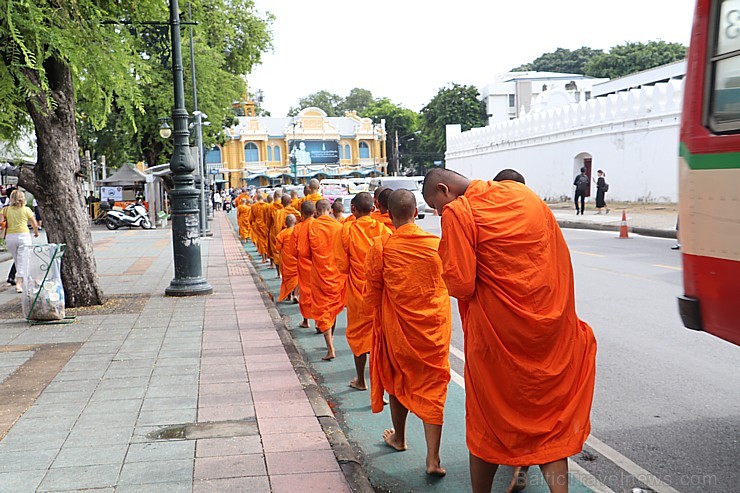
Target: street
<point>666,409</point>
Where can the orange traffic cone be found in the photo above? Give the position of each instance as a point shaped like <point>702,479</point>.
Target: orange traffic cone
<point>623,231</point>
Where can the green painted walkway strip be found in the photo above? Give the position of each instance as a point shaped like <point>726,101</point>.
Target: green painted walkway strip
<point>726,160</point>
<point>394,471</point>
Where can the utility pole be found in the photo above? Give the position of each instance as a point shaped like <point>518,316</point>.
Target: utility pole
<point>103,168</point>
<point>396,157</point>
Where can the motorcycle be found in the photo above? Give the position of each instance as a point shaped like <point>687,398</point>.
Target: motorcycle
<point>227,206</point>
<point>133,215</point>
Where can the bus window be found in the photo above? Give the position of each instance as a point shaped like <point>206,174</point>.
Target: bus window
<point>724,115</point>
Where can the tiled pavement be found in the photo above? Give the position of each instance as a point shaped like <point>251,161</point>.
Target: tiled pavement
<point>147,362</point>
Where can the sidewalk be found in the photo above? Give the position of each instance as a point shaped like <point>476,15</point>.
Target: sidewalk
<point>645,219</point>
<point>150,393</point>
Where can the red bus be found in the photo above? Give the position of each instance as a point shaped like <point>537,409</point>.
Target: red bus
<point>709,177</point>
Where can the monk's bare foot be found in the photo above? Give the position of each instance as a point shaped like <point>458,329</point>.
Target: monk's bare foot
<point>390,439</point>
<point>386,401</point>
<point>304,324</point>
<point>328,357</point>
<point>435,469</point>
<point>356,385</point>
<point>518,481</point>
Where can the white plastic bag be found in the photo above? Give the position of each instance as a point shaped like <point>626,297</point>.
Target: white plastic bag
<point>43,293</point>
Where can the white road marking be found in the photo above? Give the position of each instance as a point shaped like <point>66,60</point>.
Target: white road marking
<point>643,475</point>
<point>667,267</point>
<point>588,253</point>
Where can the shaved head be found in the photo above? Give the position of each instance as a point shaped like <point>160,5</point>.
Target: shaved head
<point>383,199</point>
<point>377,192</point>
<point>307,208</point>
<point>337,206</point>
<point>306,190</point>
<point>314,185</point>
<point>293,194</point>
<point>323,207</point>
<point>290,221</point>
<point>269,199</point>
<point>362,204</point>
<point>509,174</point>
<point>285,199</point>
<point>259,197</point>
<point>402,207</point>
<point>442,186</point>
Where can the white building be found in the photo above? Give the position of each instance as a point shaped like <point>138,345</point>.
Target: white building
<point>630,131</point>
<point>513,93</point>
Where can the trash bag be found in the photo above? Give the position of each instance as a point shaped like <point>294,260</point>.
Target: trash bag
<point>43,293</point>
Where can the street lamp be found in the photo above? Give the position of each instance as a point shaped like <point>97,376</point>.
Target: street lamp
<point>188,280</point>
<point>397,154</point>
<point>164,129</point>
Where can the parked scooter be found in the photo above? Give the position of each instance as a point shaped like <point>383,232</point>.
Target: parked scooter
<point>133,215</point>
<point>227,206</point>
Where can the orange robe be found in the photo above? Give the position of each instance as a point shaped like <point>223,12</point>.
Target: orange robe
<point>292,210</point>
<point>350,250</point>
<point>384,218</point>
<point>350,218</point>
<point>305,301</point>
<point>529,360</point>
<point>411,337</point>
<point>327,282</point>
<point>277,224</point>
<point>258,225</point>
<point>296,203</point>
<point>313,197</point>
<point>242,219</point>
<point>238,200</point>
<point>285,243</point>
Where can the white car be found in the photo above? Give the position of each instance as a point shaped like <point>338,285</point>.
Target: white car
<point>402,182</point>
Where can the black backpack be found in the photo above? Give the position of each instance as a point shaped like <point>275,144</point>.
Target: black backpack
<point>582,183</point>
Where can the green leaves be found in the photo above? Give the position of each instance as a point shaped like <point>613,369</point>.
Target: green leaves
<point>631,57</point>
<point>458,104</point>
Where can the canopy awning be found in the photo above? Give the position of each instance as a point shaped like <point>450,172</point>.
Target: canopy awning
<point>127,175</point>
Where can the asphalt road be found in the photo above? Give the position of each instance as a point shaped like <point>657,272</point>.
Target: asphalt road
<point>666,413</point>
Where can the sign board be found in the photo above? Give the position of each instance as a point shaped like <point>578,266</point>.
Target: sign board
<point>313,152</point>
<point>438,163</point>
<point>115,193</point>
<point>214,171</point>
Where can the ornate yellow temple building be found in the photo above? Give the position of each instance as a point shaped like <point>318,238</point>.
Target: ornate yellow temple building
<point>269,151</point>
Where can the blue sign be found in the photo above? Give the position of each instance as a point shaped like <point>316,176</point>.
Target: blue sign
<point>214,171</point>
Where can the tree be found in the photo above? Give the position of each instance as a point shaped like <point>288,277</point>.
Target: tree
<point>328,101</point>
<point>457,104</point>
<point>357,100</point>
<point>399,121</point>
<point>61,59</point>
<point>562,60</point>
<point>631,57</point>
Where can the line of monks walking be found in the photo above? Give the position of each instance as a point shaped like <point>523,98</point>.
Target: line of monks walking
<point>529,360</point>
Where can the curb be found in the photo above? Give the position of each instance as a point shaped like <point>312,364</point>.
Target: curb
<point>658,233</point>
<point>351,467</point>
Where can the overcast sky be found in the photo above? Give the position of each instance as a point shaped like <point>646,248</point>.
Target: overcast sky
<point>406,50</point>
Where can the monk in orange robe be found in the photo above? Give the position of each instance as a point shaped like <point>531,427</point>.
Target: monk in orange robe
<point>294,200</point>
<point>303,248</point>
<point>313,191</point>
<point>337,210</point>
<point>327,282</point>
<point>258,225</point>
<point>529,360</point>
<point>242,219</point>
<point>350,250</point>
<point>277,223</point>
<point>381,212</point>
<point>289,209</point>
<point>411,343</point>
<point>285,244</point>
<point>239,198</point>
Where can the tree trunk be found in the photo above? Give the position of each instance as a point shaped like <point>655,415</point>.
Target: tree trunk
<point>56,187</point>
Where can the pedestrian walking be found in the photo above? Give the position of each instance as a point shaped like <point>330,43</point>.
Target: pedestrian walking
<point>17,235</point>
<point>581,183</point>
<point>217,201</point>
<point>601,188</point>
<point>507,263</point>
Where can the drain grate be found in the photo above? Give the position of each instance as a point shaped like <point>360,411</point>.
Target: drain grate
<point>197,431</point>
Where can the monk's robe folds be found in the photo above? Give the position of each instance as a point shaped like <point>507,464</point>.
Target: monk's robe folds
<point>411,337</point>
<point>350,250</point>
<point>327,282</point>
<point>305,301</point>
<point>242,219</point>
<point>529,360</point>
<point>384,218</point>
<point>277,224</point>
<point>258,225</point>
<point>285,244</point>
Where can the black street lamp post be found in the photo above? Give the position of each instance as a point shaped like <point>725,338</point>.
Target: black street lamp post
<point>189,280</point>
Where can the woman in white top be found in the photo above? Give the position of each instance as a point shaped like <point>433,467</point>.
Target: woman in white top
<point>17,216</point>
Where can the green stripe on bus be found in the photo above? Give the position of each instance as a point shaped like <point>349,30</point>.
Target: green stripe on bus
<point>727,160</point>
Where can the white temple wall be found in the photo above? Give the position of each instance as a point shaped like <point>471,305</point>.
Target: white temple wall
<point>632,137</point>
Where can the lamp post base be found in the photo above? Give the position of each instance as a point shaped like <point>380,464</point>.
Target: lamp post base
<point>189,287</point>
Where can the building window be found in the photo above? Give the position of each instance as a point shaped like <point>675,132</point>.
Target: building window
<point>341,152</point>
<point>347,152</point>
<point>364,150</point>
<point>276,154</point>
<point>213,155</point>
<point>512,101</point>
<point>588,95</point>
<point>251,153</point>
<point>269,153</point>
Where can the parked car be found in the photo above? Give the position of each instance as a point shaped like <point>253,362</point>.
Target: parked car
<point>402,182</point>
